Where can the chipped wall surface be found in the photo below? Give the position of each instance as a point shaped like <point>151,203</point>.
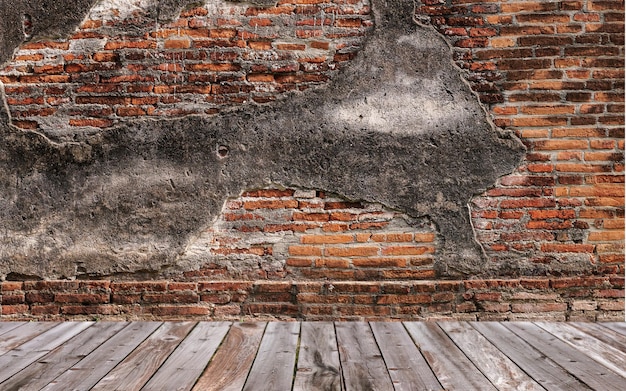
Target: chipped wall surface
<point>396,126</point>
<point>318,159</point>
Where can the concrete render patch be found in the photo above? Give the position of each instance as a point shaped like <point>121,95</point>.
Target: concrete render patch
<point>397,126</point>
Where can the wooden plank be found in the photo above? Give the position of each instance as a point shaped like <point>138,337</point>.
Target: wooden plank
<point>604,334</point>
<point>361,362</point>
<point>185,365</point>
<point>592,373</point>
<point>594,348</point>
<point>43,371</point>
<point>19,335</point>
<point>453,369</point>
<point>86,373</point>
<point>406,365</point>
<point>136,369</point>
<point>229,367</point>
<point>8,326</point>
<point>497,367</point>
<point>275,362</point>
<point>24,355</point>
<point>615,326</point>
<point>545,371</point>
<point>318,358</point>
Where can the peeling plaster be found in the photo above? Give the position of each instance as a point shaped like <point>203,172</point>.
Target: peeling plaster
<point>421,144</point>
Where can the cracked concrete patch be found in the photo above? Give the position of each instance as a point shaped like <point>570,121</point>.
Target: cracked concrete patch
<point>398,126</point>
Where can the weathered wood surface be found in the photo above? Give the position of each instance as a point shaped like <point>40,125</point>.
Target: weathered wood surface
<point>407,367</point>
<point>25,354</point>
<point>231,364</point>
<point>362,363</point>
<point>38,374</point>
<point>454,369</point>
<point>596,330</point>
<point>617,327</point>
<point>607,355</point>
<point>537,365</point>
<point>312,356</point>
<point>8,326</point>
<point>17,336</point>
<point>275,362</point>
<point>140,365</point>
<point>88,371</point>
<point>591,372</point>
<point>495,365</point>
<point>188,361</point>
<point>318,361</point>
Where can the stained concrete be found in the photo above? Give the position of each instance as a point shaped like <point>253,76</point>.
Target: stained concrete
<point>397,126</point>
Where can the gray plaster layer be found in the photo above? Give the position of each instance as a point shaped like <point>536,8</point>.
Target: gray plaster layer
<point>397,126</point>
<point>25,20</point>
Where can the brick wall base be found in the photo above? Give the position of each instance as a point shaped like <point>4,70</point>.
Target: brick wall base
<point>547,299</point>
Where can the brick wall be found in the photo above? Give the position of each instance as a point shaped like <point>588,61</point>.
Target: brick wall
<point>553,72</point>
<point>553,231</point>
<point>209,59</point>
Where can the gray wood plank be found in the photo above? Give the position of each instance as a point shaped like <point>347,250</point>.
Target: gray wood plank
<point>618,327</point>
<point>186,363</point>
<point>136,369</point>
<point>592,373</point>
<point>606,335</point>
<point>43,371</point>
<point>19,335</point>
<point>230,366</point>
<point>8,326</point>
<point>361,361</point>
<point>407,367</point>
<point>86,373</point>
<point>594,348</point>
<point>24,355</point>
<point>275,362</point>
<point>453,369</point>
<point>318,358</point>
<point>497,367</point>
<point>545,371</point>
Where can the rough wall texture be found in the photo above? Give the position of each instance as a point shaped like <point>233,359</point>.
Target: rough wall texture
<point>361,154</point>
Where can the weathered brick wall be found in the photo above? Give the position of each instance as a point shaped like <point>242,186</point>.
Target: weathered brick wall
<point>553,231</point>
<point>552,71</point>
<point>123,63</point>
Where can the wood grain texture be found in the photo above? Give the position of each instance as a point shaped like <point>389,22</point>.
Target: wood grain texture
<point>275,362</point>
<point>606,335</point>
<point>453,369</point>
<point>186,363</point>
<point>318,359</point>
<point>615,326</point>
<point>230,366</point>
<point>19,335</point>
<point>86,373</point>
<point>406,365</point>
<point>361,361</point>
<point>330,356</point>
<point>136,369</point>
<point>603,353</point>
<point>496,366</point>
<point>24,355</point>
<point>541,368</point>
<point>592,373</point>
<point>41,372</point>
<point>8,326</point>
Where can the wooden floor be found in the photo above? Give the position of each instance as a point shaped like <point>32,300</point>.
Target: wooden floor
<point>312,356</point>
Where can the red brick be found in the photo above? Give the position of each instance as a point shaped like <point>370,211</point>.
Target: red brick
<point>359,251</point>
<point>327,239</point>
<point>14,309</point>
<point>83,298</point>
<point>379,262</point>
